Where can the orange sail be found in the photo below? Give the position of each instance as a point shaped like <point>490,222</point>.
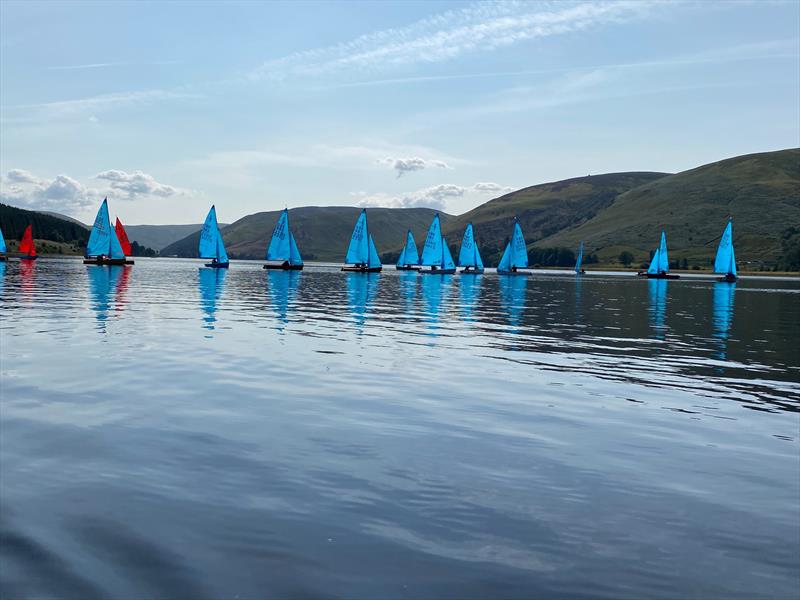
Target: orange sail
<point>123,238</point>
<point>26,246</point>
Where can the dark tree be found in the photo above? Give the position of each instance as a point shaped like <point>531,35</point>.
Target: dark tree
<point>626,258</point>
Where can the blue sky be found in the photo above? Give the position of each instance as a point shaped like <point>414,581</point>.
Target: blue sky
<point>169,107</point>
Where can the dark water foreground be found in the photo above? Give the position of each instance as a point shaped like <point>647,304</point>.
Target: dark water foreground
<point>174,433</point>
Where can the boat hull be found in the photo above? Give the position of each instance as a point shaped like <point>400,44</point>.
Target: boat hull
<point>471,271</point>
<point>729,278</point>
<point>407,268</point>
<point>3,258</point>
<point>28,257</point>
<point>513,272</point>
<point>354,269</point>
<point>437,272</point>
<point>107,261</point>
<point>661,276</point>
<point>224,265</point>
<point>283,267</point>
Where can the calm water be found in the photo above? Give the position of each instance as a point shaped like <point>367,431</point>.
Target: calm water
<point>174,432</point>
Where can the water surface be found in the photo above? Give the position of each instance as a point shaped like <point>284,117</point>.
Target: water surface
<point>179,432</point>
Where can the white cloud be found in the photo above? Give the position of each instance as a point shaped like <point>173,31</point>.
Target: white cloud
<point>435,197</point>
<point>406,165</point>
<point>137,184</point>
<point>67,195</point>
<point>477,28</point>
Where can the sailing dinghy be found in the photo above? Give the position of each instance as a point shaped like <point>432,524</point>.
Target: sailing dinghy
<point>579,262</point>
<point>470,257</point>
<point>26,246</point>
<point>435,253</point>
<point>282,247</point>
<point>362,256</point>
<point>409,257</point>
<point>515,256</point>
<point>659,266</point>
<point>3,248</point>
<point>725,262</point>
<point>211,245</point>
<point>122,236</point>
<point>103,247</point>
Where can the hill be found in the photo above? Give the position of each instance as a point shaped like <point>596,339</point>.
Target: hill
<point>160,236</point>
<point>68,237</point>
<point>322,232</point>
<point>64,218</point>
<point>543,210</point>
<point>761,191</point>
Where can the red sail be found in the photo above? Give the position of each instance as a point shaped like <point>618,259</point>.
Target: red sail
<point>123,238</point>
<point>26,246</point>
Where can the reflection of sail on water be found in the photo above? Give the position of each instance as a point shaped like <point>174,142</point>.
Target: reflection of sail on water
<point>469,288</point>
<point>434,290</point>
<point>578,299</point>
<point>2,276</point>
<point>512,295</point>
<point>408,288</point>
<point>121,295</point>
<point>102,286</point>
<point>723,314</point>
<point>361,292</point>
<point>212,283</point>
<point>283,290</point>
<point>658,305</point>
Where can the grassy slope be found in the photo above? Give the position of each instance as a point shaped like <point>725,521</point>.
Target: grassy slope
<point>761,191</point>
<point>322,233</point>
<point>543,209</point>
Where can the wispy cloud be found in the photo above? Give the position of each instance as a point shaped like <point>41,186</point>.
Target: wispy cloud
<point>435,197</point>
<point>479,27</point>
<point>415,163</point>
<point>104,65</point>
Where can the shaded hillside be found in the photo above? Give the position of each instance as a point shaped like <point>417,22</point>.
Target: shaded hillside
<point>322,233</point>
<point>70,237</point>
<point>761,191</point>
<point>543,209</point>
<point>160,236</point>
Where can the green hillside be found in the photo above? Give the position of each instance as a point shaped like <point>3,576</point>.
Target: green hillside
<point>322,233</point>
<point>543,209</point>
<point>160,236</point>
<point>761,191</point>
<point>68,237</point>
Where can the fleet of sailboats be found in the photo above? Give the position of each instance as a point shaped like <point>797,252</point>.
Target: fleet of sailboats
<point>211,244</point>
<point>282,252</point>
<point>436,253</point>
<point>362,256</point>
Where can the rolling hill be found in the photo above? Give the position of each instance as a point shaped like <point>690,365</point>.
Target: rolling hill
<point>322,232</point>
<point>64,237</point>
<point>158,237</point>
<point>761,191</point>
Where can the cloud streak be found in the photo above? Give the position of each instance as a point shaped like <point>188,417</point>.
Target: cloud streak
<point>408,165</point>
<point>435,197</point>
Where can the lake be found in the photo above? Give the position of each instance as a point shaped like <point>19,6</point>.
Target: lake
<point>174,432</point>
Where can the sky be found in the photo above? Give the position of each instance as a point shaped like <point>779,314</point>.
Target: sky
<point>168,107</point>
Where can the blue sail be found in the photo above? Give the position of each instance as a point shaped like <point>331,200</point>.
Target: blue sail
<point>279,246</point>
<point>358,251</point>
<point>653,268</point>
<point>725,262</point>
<point>100,237</point>
<point>467,254</point>
<point>447,258</point>
<point>401,260</point>
<point>519,250</point>
<point>2,242</point>
<point>579,262</point>
<point>478,259</point>
<point>505,262</point>
<point>663,258</point>
<point>222,256</point>
<point>209,246</point>
<point>410,254</point>
<point>115,248</point>
<point>374,259</point>
<point>432,251</point>
<point>294,252</point>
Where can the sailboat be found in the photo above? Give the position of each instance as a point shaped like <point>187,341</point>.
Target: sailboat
<point>211,245</point>
<point>515,255</point>
<point>3,248</point>
<point>578,263</point>
<point>409,257</point>
<point>103,247</point>
<point>725,262</point>
<point>435,253</point>
<point>26,246</point>
<point>659,266</point>
<point>282,247</point>
<point>362,256</point>
<point>122,236</point>
<point>470,257</point>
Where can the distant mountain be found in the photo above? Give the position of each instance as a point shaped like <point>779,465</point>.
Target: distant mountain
<point>543,210</point>
<point>159,236</point>
<point>322,232</point>
<point>66,237</point>
<point>761,192</point>
<point>64,217</point>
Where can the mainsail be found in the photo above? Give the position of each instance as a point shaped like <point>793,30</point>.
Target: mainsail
<point>725,262</point>
<point>103,240</point>
<point>432,253</point>
<point>469,256</point>
<point>358,252</point>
